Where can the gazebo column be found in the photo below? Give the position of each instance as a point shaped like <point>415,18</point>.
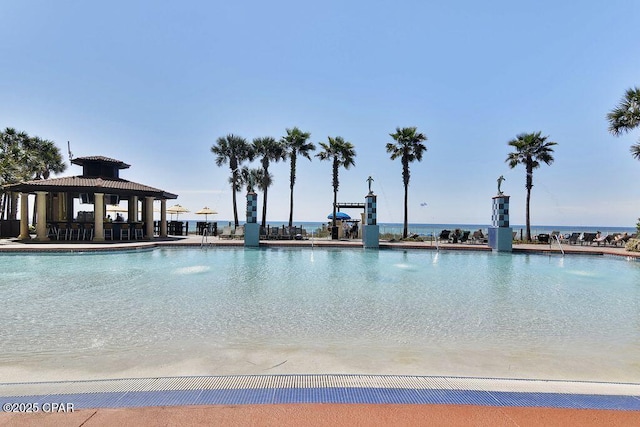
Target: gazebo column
<point>41,216</point>
<point>98,217</point>
<point>148,207</point>
<point>163,218</point>
<point>133,209</point>
<point>24,217</point>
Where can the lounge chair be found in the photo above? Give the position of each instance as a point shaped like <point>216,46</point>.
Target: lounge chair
<point>226,233</point>
<point>602,239</point>
<point>444,235</point>
<point>283,233</point>
<point>556,236</point>
<point>478,237</point>
<point>465,236</point>
<point>273,233</point>
<point>543,238</point>
<point>239,233</point>
<point>621,239</point>
<point>573,239</point>
<point>587,238</point>
<point>611,238</point>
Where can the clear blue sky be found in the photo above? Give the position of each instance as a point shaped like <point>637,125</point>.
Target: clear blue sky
<point>155,84</point>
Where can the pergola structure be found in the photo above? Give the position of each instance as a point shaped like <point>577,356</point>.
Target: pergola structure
<point>99,184</point>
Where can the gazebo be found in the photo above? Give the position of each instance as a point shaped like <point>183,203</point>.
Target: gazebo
<point>100,184</point>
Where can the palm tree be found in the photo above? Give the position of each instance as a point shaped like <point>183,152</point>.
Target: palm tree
<point>340,153</point>
<point>296,144</point>
<point>269,150</point>
<point>42,159</point>
<point>626,116</point>
<point>248,177</point>
<point>48,159</point>
<point>408,147</point>
<point>11,167</point>
<point>530,150</point>
<point>25,158</point>
<point>232,149</point>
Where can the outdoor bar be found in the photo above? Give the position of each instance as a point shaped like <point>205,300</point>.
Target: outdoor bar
<point>99,185</point>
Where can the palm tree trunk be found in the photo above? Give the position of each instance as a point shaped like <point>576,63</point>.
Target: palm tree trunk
<point>405,180</point>
<point>527,216</point>
<point>264,208</point>
<point>335,198</point>
<point>405,230</point>
<point>529,187</point>
<point>333,221</point>
<point>292,180</point>
<point>233,190</point>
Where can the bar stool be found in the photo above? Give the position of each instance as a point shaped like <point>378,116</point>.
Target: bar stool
<point>88,229</point>
<point>108,229</point>
<point>124,229</point>
<point>75,229</point>
<point>52,231</point>
<point>138,232</point>
<point>63,229</point>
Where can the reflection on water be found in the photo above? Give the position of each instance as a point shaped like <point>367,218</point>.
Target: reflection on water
<point>420,312</point>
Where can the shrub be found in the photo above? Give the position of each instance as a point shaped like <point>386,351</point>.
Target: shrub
<point>633,245</point>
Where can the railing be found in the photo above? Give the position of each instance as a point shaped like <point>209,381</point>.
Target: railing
<point>557,237</point>
<point>205,237</point>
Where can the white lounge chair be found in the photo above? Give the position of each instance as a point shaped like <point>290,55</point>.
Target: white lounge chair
<point>226,233</point>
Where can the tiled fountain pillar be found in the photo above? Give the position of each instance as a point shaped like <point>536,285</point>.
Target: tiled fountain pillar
<point>252,228</point>
<point>500,234</point>
<point>371,229</point>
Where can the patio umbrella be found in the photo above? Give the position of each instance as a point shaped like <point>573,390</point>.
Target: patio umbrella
<point>339,215</point>
<point>177,209</point>
<point>206,211</point>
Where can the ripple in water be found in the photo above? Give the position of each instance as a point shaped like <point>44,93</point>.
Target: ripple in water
<point>195,269</point>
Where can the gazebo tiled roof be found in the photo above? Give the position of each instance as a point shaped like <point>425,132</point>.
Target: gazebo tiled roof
<point>100,175</point>
<point>102,159</point>
<point>81,184</point>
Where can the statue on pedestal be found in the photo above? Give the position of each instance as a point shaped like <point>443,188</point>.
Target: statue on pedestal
<point>500,179</point>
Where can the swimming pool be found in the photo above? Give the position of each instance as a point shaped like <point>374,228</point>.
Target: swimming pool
<point>168,312</point>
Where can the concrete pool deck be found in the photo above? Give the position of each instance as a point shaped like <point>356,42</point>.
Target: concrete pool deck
<point>13,245</point>
<point>376,400</point>
<point>321,400</point>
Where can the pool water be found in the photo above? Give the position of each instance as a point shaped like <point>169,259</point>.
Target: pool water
<point>168,312</point>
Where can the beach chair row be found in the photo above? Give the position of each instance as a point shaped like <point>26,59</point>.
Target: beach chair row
<point>268,233</point>
<point>589,239</point>
<point>232,233</point>
<point>462,236</point>
<point>283,233</point>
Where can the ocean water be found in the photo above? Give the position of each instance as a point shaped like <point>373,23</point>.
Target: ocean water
<point>435,229</point>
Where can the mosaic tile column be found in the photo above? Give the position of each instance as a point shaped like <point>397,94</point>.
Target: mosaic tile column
<point>252,228</point>
<point>371,229</point>
<point>500,234</point>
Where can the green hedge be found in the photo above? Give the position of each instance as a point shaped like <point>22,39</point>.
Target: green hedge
<point>633,245</point>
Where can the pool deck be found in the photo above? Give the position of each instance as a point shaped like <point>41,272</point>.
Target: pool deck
<point>321,400</point>
<point>314,400</point>
<point>13,245</point>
